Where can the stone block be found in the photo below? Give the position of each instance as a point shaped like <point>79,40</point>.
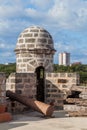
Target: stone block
<point>18,80</point>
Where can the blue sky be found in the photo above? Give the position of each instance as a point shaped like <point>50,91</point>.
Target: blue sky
<point>66,20</point>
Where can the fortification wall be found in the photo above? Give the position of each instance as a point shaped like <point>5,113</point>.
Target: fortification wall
<point>2,88</point>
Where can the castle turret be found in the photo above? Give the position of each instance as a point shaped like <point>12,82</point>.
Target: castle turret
<point>34,48</point>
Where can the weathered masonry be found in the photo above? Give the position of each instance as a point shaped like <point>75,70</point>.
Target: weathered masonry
<point>2,88</point>
<point>34,58</point>
<point>34,48</point>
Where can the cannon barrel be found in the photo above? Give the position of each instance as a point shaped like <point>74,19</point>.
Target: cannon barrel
<point>39,106</point>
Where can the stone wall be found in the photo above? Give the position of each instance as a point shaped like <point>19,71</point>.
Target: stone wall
<point>34,48</point>
<point>25,84</point>
<point>11,82</point>
<point>53,93</point>
<point>83,94</point>
<point>2,88</point>
<point>21,83</point>
<point>75,108</point>
<point>63,81</point>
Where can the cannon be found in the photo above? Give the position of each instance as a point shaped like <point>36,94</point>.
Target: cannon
<point>36,105</point>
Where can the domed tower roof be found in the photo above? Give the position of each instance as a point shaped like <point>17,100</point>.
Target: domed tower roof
<point>34,48</point>
<point>34,38</point>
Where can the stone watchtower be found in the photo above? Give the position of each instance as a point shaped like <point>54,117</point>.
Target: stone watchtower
<point>34,68</point>
<point>34,48</point>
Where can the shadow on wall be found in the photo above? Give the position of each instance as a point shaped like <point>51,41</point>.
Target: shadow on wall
<point>53,94</point>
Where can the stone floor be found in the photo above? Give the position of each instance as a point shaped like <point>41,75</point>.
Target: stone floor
<point>36,121</point>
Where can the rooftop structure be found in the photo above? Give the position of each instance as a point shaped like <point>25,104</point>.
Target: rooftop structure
<point>34,48</point>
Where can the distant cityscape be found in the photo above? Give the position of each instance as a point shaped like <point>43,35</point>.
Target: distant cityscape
<point>64,58</point>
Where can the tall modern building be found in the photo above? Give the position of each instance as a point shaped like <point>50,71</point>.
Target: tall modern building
<point>64,58</point>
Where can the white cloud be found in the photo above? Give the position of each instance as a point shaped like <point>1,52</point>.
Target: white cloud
<point>6,46</point>
<point>69,14</point>
<point>4,25</point>
<point>77,53</point>
<point>31,12</point>
<point>35,15</point>
<point>41,4</point>
<point>84,51</point>
<point>6,54</point>
<point>63,14</point>
<point>12,28</point>
<point>2,45</point>
<point>8,11</point>
<point>53,14</point>
<point>61,47</point>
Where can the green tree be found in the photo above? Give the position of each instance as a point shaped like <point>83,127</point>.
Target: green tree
<point>10,68</point>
